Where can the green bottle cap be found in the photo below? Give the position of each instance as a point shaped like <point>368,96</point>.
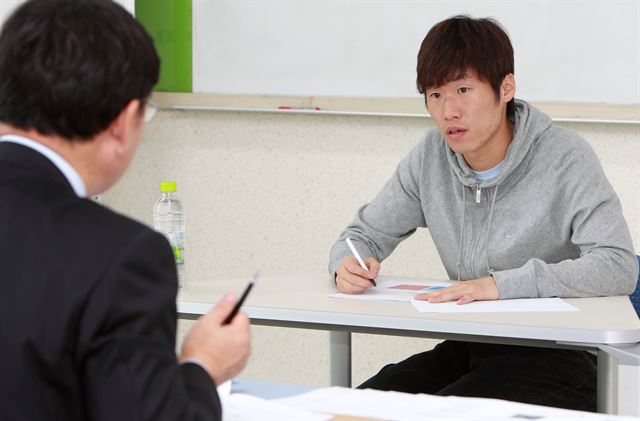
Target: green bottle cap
<point>168,186</point>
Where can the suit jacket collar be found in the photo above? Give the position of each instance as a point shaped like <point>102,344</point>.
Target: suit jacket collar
<point>32,162</point>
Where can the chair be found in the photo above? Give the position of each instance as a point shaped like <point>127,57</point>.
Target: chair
<point>635,295</point>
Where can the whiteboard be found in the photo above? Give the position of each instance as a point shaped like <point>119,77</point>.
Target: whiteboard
<point>583,51</point>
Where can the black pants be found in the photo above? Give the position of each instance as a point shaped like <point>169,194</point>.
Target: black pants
<point>552,377</point>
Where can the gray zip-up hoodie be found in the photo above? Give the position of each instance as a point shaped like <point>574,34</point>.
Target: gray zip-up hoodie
<point>549,225</point>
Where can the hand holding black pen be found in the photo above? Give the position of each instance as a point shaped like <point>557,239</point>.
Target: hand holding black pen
<point>220,341</point>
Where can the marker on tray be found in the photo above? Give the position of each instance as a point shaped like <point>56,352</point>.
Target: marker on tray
<point>288,107</point>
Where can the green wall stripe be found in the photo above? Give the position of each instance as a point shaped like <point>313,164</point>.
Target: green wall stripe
<point>170,24</point>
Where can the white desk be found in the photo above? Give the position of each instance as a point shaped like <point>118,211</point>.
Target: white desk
<point>608,324</point>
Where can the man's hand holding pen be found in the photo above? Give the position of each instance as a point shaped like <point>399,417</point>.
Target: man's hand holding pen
<point>222,349</point>
<point>351,278</point>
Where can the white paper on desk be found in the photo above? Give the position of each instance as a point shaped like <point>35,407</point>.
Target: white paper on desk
<point>224,389</point>
<point>376,404</point>
<point>242,407</point>
<point>515,305</point>
<point>393,290</point>
<point>404,407</point>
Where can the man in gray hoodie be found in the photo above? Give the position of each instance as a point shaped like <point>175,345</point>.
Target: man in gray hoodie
<point>517,208</point>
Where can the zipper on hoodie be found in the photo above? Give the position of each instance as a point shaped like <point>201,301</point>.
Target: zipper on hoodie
<point>474,247</point>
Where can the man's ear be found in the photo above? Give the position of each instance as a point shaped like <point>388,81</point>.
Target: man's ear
<point>508,88</point>
<point>122,127</point>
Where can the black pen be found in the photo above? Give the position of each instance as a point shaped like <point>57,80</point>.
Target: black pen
<point>236,308</point>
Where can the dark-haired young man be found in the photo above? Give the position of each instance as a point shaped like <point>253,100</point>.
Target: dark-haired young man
<point>87,309</point>
<point>516,207</point>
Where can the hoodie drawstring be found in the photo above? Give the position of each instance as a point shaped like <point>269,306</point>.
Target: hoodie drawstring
<point>464,205</point>
<point>493,203</point>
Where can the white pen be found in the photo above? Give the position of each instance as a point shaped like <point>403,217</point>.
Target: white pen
<point>358,258</point>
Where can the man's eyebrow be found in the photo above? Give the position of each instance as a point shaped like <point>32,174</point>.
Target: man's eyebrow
<point>463,76</point>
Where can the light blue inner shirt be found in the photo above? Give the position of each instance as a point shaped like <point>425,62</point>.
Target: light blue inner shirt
<point>62,164</point>
<point>489,174</point>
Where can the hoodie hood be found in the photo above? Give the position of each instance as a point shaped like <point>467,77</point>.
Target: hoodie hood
<point>530,123</point>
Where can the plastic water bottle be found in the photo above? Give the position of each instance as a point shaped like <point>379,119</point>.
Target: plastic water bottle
<point>168,218</point>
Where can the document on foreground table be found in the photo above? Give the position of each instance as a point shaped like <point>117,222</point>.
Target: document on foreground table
<point>398,406</point>
<point>242,407</point>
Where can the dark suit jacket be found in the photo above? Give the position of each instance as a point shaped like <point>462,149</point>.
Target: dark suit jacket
<point>87,308</point>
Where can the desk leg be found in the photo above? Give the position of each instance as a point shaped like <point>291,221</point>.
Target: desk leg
<point>618,385</point>
<point>340,358</point>
<point>607,383</point>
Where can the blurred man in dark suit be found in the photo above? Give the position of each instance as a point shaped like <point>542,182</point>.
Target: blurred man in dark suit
<point>87,308</point>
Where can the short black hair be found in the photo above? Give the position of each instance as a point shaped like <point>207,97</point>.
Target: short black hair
<point>69,67</point>
<point>459,43</point>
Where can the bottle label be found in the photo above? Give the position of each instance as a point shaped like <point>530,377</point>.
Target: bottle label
<point>178,253</point>
<point>177,245</point>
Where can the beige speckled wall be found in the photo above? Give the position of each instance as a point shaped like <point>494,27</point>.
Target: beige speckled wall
<point>271,191</point>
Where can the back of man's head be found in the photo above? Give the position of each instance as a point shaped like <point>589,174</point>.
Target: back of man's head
<point>69,67</point>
